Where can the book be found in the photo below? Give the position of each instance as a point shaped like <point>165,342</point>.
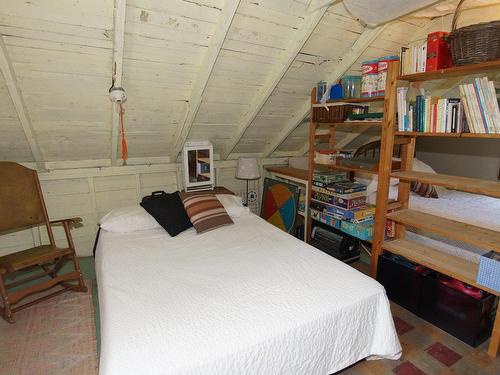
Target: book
<point>333,193</point>
<point>329,177</point>
<point>414,57</point>
<point>358,214</point>
<point>480,103</point>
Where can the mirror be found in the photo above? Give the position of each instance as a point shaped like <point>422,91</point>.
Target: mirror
<point>199,165</point>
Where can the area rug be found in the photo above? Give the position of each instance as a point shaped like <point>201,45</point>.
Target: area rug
<point>54,337</point>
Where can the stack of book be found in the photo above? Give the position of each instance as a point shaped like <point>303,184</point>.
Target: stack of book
<point>481,106</point>
<point>476,111</point>
<point>413,58</point>
<point>342,204</point>
<point>430,114</point>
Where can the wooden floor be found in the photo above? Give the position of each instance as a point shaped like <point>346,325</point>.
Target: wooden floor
<point>426,350</point>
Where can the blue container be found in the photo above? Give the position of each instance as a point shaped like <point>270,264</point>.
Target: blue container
<point>336,92</point>
<point>489,271</point>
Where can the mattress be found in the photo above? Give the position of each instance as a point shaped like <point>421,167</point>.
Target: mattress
<point>243,299</point>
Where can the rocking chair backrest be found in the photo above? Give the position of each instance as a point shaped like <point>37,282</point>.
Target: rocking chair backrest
<point>21,199</point>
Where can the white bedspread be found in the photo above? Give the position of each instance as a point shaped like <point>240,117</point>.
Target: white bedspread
<point>243,299</point>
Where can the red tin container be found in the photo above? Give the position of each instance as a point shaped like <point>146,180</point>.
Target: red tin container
<point>438,52</point>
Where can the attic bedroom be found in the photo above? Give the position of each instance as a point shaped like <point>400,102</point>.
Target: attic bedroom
<point>294,187</point>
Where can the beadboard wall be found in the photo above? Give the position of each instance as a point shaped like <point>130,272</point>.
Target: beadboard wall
<point>90,193</point>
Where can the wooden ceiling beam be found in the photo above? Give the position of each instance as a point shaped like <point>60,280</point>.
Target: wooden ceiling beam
<point>275,76</point>
<point>357,49</point>
<point>18,101</point>
<point>117,71</point>
<point>216,41</point>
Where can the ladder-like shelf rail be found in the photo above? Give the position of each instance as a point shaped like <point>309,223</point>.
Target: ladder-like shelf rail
<point>470,185</point>
<point>474,235</point>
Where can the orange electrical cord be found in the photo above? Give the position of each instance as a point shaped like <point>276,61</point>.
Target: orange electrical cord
<point>124,140</point>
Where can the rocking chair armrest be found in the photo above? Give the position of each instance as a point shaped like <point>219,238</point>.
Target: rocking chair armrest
<point>67,228</point>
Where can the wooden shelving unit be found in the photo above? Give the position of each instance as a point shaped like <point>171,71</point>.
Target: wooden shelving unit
<point>423,254</point>
<point>330,136</point>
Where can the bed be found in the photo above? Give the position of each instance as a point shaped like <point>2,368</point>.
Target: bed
<point>243,299</point>
<point>465,207</point>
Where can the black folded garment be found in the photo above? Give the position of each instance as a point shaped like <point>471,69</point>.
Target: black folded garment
<point>168,211</point>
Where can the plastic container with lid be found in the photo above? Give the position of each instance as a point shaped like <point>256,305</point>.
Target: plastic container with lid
<point>320,90</point>
<point>351,86</point>
<point>369,78</point>
<point>383,66</point>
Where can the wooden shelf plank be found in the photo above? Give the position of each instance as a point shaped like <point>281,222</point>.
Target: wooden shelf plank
<point>468,233</point>
<point>471,185</point>
<point>320,136</point>
<point>343,168</point>
<point>445,263</point>
<point>361,123</point>
<point>456,71</point>
<point>297,173</point>
<point>450,135</point>
<point>353,123</point>
<point>350,101</point>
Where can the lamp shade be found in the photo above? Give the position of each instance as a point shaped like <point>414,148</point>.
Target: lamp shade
<point>247,169</point>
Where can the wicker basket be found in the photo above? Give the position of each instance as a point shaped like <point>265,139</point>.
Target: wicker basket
<point>475,43</point>
<point>337,113</point>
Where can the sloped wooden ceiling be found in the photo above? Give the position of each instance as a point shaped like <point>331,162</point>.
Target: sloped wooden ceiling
<point>237,72</point>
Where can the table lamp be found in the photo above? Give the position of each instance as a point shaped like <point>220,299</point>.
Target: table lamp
<point>247,169</point>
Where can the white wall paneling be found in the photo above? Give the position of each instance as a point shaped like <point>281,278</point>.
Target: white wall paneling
<point>91,192</point>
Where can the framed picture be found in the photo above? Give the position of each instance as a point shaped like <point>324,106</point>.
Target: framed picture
<point>279,204</point>
<point>198,166</point>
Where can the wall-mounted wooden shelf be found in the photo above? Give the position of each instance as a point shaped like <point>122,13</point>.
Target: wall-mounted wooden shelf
<point>449,135</point>
<point>300,174</point>
<point>456,71</point>
<point>427,256</point>
<point>322,136</point>
<point>343,168</point>
<point>468,233</point>
<point>471,185</point>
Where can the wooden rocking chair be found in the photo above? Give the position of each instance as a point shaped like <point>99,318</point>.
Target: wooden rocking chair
<point>22,206</point>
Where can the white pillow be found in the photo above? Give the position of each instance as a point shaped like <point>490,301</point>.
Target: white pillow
<point>128,219</point>
<point>233,205</point>
<point>371,183</point>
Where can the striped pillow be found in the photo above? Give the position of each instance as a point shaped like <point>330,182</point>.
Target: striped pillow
<point>205,211</point>
<point>424,190</point>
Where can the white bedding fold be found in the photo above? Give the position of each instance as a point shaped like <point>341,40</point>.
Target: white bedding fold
<point>242,299</point>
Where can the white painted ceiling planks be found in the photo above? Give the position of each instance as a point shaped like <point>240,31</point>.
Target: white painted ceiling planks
<point>236,72</point>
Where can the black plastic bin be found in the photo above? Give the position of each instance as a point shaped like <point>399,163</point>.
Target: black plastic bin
<point>465,317</point>
<point>402,283</point>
